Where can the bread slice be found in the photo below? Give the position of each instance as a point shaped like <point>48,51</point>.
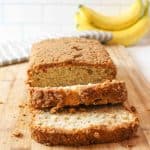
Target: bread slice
<point>91,94</point>
<point>83,127</point>
<point>69,61</point>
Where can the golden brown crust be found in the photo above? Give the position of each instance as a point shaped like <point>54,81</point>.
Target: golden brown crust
<point>91,135</point>
<point>94,94</point>
<point>67,51</point>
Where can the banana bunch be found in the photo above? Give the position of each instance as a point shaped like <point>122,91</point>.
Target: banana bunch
<point>126,29</point>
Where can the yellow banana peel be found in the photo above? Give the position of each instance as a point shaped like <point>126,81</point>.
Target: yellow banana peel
<point>128,36</point>
<point>114,22</point>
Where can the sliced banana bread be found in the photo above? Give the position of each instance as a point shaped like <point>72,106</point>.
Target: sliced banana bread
<point>83,127</point>
<point>91,94</point>
<point>69,61</point>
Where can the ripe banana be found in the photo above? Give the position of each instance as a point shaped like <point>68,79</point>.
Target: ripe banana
<point>128,36</point>
<point>133,34</point>
<point>82,22</point>
<point>114,22</point>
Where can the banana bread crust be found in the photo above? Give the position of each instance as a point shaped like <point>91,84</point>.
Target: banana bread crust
<point>94,94</point>
<point>90,135</point>
<point>64,51</point>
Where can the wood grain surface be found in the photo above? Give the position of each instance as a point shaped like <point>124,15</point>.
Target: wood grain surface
<point>15,117</point>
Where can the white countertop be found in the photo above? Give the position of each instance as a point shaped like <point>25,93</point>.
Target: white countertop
<point>141,56</point>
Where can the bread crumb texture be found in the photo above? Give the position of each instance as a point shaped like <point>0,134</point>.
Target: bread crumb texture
<point>79,50</point>
<point>17,134</point>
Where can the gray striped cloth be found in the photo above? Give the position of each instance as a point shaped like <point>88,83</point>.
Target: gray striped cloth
<point>12,52</point>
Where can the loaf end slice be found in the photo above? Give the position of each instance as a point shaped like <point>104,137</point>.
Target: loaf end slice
<point>95,125</point>
<point>92,94</point>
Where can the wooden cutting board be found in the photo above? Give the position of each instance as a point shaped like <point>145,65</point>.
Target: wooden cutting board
<point>14,117</point>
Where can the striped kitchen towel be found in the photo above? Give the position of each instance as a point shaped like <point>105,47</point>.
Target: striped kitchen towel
<point>15,52</point>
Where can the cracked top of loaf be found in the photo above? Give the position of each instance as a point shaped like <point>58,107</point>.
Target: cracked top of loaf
<point>77,51</point>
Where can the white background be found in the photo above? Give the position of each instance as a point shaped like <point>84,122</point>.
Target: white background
<point>23,19</point>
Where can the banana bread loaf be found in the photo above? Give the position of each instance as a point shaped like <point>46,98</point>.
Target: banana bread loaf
<point>69,61</point>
